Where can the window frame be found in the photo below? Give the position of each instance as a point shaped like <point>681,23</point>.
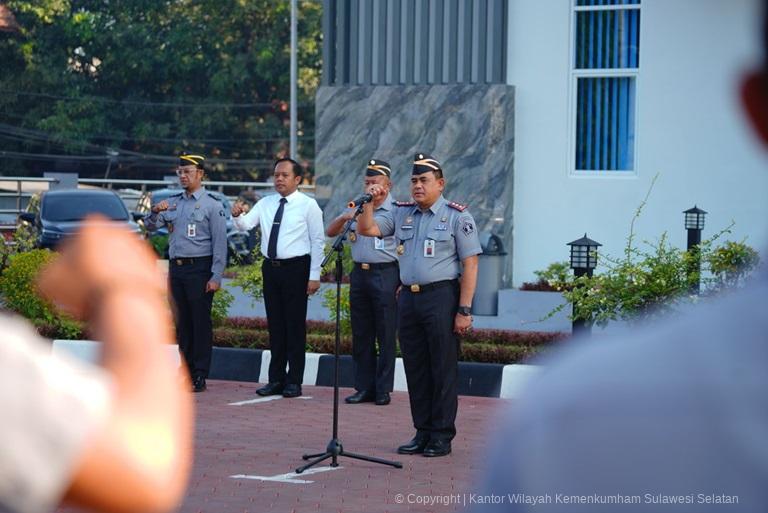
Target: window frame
<point>576,74</point>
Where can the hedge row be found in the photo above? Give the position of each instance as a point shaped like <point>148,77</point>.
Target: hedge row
<point>324,343</point>
<point>260,323</point>
<point>484,346</point>
<point>259,339</point>
<point>475,336</point>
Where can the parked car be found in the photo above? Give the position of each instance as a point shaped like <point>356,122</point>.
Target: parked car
<point>238,247</point>
<point>53,215</point>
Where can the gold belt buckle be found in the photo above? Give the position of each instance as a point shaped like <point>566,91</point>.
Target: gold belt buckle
<point>179,261</point>
<point>365,267</point>
<point>415,288</point>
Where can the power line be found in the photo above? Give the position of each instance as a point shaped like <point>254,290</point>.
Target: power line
<point>102,99</point>
<point>137,158</point>
<point>30,136</point>
<point>124,157</point>
<point>190,140</point>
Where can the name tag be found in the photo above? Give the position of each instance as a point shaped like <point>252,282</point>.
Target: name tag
<point>429,248</point>
<point>441,227</point>
<point>378,243</point>
<point>407,227</point>
<point>191,230</point>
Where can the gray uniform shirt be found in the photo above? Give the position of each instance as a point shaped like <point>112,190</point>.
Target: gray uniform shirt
<point>433,243</point>
<point>197,226</point>
<point>373,250</point>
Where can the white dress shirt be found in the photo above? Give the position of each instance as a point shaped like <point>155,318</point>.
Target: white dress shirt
<point>301,229</point>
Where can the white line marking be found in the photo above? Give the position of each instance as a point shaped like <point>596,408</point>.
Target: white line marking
<point>291,477</point>
<point>266,399</point>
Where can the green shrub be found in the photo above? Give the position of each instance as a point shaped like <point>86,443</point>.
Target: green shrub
<point>222,300</point>
<point>491,353</point>
<point>555,277</point>
<point>347,264</point>
<point>730,264</point>
<point>250,279</point>
<point>160,244</point>
<point>17,285</point>
<point>654,280</point>
<point>329,302</point>
<point>249,339</point>
<point>489,346</point>
<point>246,323</point>
<point>325,343</point>
<point>23,240</point>
<point>512,338</point>
<point>65,330</point>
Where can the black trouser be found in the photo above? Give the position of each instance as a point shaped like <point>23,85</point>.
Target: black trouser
<point>194,330</point>
<point>430,355</point>
<point>374,317</point>
<point>285,299</point>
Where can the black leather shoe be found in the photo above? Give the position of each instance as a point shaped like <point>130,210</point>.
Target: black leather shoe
<point>437,448</point>
<point>362,396</point>
<point>198,384</point>
<point>270,389</point>
<point>383,399</point>
<point>415,446</point>
<point>292,390</point>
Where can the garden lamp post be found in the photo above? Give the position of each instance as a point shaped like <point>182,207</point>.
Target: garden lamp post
<point>694,223</point>
<point>583,262</point>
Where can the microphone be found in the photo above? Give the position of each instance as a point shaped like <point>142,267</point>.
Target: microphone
<point>362,200</point>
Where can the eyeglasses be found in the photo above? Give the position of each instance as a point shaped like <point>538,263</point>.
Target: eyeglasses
<point>185,170</point>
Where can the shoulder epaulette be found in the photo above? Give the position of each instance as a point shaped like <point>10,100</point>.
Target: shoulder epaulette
<point>404,203</point>
<point>457,206</point>
<point>212,196</point>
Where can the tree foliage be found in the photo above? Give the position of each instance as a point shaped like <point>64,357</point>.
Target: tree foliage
<point>145,79</point>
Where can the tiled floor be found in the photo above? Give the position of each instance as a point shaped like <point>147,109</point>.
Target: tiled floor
<point>267,439</point>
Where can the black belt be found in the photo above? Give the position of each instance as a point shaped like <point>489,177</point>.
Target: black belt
<point>416,288</point>
<point>190,260</point>
<point>275,262</point>
<point>381,265</point>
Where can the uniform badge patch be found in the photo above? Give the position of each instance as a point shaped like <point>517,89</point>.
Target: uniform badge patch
<point>468,228</point>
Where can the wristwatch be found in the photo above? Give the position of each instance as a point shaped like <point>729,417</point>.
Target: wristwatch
<point>466,311</point>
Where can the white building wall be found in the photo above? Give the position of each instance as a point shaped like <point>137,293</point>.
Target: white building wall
<point>691,131</point>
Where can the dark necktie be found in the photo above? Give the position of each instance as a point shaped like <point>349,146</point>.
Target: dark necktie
<point>272,246</point>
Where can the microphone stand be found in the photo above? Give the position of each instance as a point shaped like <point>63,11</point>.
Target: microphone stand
<point>334,448</point>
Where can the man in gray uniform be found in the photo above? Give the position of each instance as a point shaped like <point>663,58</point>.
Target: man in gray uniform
<point>372,302</point>
<point>436,239</point>
<point>197,231</point>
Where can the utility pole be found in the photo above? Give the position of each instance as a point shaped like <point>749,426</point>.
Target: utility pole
<point>294,74</point>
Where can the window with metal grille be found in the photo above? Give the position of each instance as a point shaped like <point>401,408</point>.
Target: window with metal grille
<point>606,62</point>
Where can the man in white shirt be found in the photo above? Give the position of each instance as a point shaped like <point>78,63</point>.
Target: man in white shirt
<point>292,239</point>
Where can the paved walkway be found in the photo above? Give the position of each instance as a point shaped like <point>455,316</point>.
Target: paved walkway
<point>261,444</point>
<point>266,440</point>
